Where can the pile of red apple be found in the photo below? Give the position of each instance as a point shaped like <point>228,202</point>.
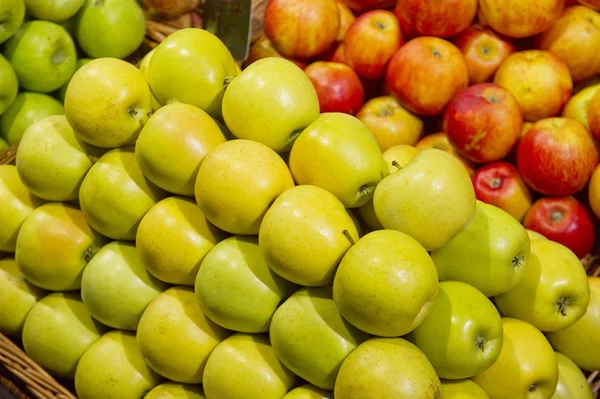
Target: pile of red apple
<point>510,87</point>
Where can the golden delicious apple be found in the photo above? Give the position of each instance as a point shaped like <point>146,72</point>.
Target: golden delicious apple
<point>176,338</point>
<point>581,341</point>
<point>534,235</point>
<point>253,112</point>
<point>571,381</point>
<point>339,154</point>
<point>462,335</point>
<point>237,289</point>
<point>173,238</point>
<point>244,366</point>
<point>17,297</point>
<point>171,390</point>
<point>116,287</point>
<point>58,330</point>
<point>107,102</point>
<point>304,221</point>
<point>462,389</point>
<point>52,162</point>
<point>54,246</point>
<point>554,292</point>
<point>399,156</point>
<point>173,144</point>
<point>401,274</point>
<point>16,204</point>
<point>237,182</point>
<point>527,367</point>
<point>308,391</point>
<point>431,198</point>
<point>144,70</point>
<point>387,368</point>
<point>311,338</point>
<point>113,368</point>
<point>192,66</point>
<point>491,253</point>
<point>368,216</point>
<point>115,195</point>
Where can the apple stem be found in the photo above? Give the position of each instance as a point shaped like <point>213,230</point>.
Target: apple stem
<point>396,164</point>
<point>348,236</point>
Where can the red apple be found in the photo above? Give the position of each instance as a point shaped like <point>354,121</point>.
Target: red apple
<point>483,50</point>
<point>302,29</point>
<point>336,54</point>
<point>500,184</point>
<point>518,18</point>
<point>593,115</point>
<point>483,122</point>
<point>346,19</point>
<point>426,73</point>
<point>563,220</point>
<point>440,141</point>
<point>371,41</point>
<point>557,156</point>
<point>263,48</point>
<point>361,6</point>
<point>444,18</point>
<point>338,87</point>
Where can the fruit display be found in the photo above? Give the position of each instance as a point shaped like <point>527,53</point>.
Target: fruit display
<point>389,199</point>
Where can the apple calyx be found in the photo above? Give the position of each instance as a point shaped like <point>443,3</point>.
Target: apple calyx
<point>485,50</point>
<point>380,25</point>
<point>385,112</point>
<point>90,253</point>
<point>436,54</point>
<point>97,3</point>
<point>291,140</point>
<point>495,182</point>
<point>557,215</point>
<point>532,388</point>
<point>480,342</point>
<point>562,305</point>
<point>59,57</point>
<point>349,236</point>
<point>518,261</point>
<point>228,80</point>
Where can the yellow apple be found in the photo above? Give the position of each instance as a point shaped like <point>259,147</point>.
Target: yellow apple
<point>303,221</point>
<point>113,368</point>
<point>175,338</point>
<point>431,199</point>
<point>17,297</point>
<point>107,102</point>
<point>244,366</point>
<point>399,156</point>
<point>339,154</point>
<point>577,106</point>
<point>252,111</point>
<point>144,70</point>
<point>462,389</point>
<point>387,368</point>
<point>58,330</point>
<point>173,144</point>
<point>115,195</point>
<point>534,235</point>
<point>308,391</point>
<point>54,246</point>
<point>237,182</point>
<point>171,390</point>
<point>368,216</point>
<point>571,381</point>
<point>16,203</point>
<point>191,66</point>
<point>554,292</point>
<point>173,238</point>
<point>527,367</point>
<point>581,341</point>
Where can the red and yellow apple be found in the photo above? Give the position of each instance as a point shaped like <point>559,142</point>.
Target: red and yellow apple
<point>594,191</point>
<point>593,115</point>
<point>338,87</point>
<point>436,18</point>
<point>347,17</point>
<point>440,141</point>
<point>578,106</point>
<point>518,18</point>
<point>263,48</point>
<point>361,6</point>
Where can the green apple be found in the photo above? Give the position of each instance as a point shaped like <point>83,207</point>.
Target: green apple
<point>387,368</point>
<point>462,389</point>
<point>534,235</point>
<point>303,221</point>
<point>51,161</point>
<point>144,70</point>
<point>176,338</point>
<point>58,330</point>
<point>431,199</point>
<point>237,182</point>
<point>53,10</point>
<point>42,54</point>
<point>244,366</point>
<point>187,60</point>
<point>27,109</point>
<point>491,253</point>
<point>571,381</point>
<point>173,144</point>
<point>369,217</point>
<point>16,204</point>
<point>113,368</point>
<point>581,341</point>
<point>116,287</point>
<point>399,271</point>
<point>17,297</point>
<point>462,335</point>
<point>62,91</point>
<point>252,112</point>
<point>338,153</point>
<point>3,144</point>
<point>108,102</point>
<point>9,85</point>
<point>235,287</point>
<point>115,195</point>
<point>311,338</point>
<point>527,367</point>
<point>110,28</point>
<point>308,391</point>
<point>12,14</point>
<point>173,238</point>
<point>171,390</point>
<point>54,246</point>
<point>554,292</point>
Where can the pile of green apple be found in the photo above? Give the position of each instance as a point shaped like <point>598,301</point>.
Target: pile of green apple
<point>43,43</point>
<point>190,230</point>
